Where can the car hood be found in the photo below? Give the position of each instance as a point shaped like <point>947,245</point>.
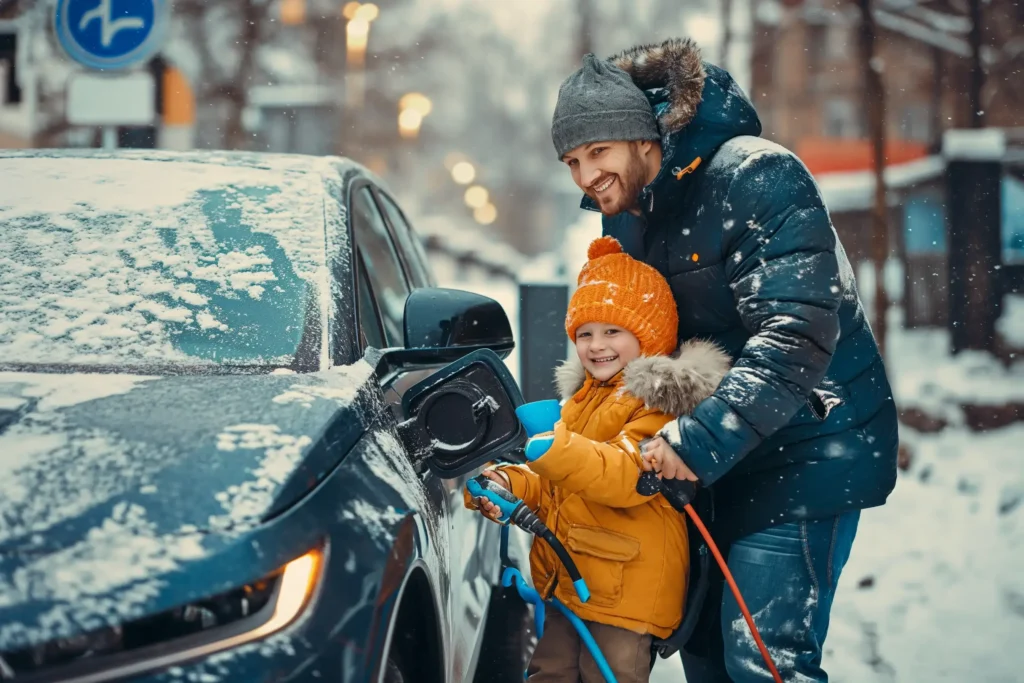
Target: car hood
<point>122,496</point>
<point>195,453</point>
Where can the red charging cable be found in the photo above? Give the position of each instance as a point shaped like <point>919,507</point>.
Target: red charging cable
<point>735,591</point>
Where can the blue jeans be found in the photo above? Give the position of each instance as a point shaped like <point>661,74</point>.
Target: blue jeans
<point>788,576</point>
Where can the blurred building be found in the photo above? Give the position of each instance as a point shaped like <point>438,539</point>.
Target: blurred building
<point>808,84</point>
<point>808,87</point>
<point>16,96</point>
<point>34,73</point>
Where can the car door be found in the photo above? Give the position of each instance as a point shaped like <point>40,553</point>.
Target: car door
<point>475,540</point>
<point>384,283</point>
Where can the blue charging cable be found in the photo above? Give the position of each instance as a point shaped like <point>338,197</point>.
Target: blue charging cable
<point>515,511</point>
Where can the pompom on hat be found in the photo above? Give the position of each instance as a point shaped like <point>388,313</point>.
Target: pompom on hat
<point>616,289</point>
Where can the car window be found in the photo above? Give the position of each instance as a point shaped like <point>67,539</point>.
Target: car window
<point>371,334</point>
<point>383,268</point>
<point>412,245</point>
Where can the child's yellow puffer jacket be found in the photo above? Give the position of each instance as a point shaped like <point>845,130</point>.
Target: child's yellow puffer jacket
<point>631,549</point>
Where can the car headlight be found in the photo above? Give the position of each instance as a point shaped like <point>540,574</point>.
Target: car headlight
<point>200,629</point>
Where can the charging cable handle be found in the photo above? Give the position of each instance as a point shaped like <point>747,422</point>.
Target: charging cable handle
<point>678,492</point>
<point>515,511</point>
<point>482,487</point>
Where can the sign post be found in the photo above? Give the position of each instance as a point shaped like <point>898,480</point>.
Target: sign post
<point>110,37</point>
<point>974,171</point>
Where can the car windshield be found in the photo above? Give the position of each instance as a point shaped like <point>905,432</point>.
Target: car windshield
<point>136,264</point>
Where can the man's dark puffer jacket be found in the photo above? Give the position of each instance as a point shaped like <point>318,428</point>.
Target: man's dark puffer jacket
<point>804,425</point>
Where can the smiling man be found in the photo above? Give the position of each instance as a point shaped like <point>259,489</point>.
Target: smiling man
<point>801,434</point>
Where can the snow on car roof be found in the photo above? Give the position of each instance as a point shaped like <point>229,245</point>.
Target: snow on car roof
<point>142,258</point>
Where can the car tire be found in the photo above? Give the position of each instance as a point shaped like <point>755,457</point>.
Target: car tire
<point>509,639</point>
<point>393,672</point>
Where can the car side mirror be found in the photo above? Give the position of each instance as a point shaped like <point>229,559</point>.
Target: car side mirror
<point>463,416</point>
<point>448,323</point>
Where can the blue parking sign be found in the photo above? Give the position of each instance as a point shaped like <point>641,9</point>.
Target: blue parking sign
<point>111,34</point>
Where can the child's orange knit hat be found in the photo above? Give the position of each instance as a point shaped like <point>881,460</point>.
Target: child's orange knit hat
<point>616,289</point>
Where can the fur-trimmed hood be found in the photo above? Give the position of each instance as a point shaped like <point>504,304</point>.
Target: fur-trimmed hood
<point>672,384</point>
<point>684,89</point>
<point>674,65</point>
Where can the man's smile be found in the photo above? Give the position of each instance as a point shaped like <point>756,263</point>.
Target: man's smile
<point>605,184</point>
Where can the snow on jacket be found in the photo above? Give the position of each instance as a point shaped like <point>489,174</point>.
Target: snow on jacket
<point>803,426</point>
<point>631,549</point>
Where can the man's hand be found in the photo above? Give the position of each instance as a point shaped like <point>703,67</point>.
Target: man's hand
<point>661,458</point>
<point>486,507</point>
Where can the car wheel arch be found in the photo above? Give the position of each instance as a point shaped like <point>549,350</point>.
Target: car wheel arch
<point>416,598</point>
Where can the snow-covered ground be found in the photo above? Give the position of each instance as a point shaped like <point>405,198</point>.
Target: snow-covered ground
<point>934,589</point>
<point>943,557</point>
<point>924,375</point>
<point>946,594</point>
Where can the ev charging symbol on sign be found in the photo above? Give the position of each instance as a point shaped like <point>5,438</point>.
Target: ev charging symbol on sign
<point>111,34</point>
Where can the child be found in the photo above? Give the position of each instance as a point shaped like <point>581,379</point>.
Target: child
<point>631,549</point>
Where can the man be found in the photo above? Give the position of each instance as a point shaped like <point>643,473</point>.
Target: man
<point>802,432</point>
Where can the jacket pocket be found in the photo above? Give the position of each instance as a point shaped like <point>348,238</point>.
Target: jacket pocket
<point>600,556</point>
<point>821,403</point>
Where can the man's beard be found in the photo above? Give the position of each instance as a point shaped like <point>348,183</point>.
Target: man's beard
<point>631,181</point>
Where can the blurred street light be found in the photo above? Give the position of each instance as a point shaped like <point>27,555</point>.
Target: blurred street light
<point>413,108</point>
<point>409,121</point>
<point>349,10</point>
<point>463,173</point>
<point>486,214</point>
<point>357,37</point>
<point>476,197</point>
<point>417,101</point>
<point>367,12</point>
<point>293,12</point>
<point>357,32</point>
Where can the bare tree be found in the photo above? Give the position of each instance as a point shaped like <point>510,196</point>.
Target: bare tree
<point>875,91</point>
<point>585,28</point>
<point>938,63</point>
<point>726,19</point>
<point>977,81</point>
<point>242,26</point>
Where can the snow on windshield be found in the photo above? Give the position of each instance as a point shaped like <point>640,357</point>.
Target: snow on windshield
<point>135,262</point>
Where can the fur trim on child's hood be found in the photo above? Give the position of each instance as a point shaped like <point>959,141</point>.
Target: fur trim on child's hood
<point>672,384</point>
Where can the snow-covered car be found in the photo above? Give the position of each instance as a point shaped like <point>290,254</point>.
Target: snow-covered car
<point>236,417</point>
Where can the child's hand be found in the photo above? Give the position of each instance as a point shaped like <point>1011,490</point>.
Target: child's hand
<point>486,507</point>
<point>661,458</point>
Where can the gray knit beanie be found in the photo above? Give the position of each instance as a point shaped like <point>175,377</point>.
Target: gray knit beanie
<point>600,102</point>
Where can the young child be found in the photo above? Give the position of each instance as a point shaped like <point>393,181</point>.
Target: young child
<point>631,549</point>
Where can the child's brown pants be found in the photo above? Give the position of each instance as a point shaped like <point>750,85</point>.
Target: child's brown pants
<point>561,657</point>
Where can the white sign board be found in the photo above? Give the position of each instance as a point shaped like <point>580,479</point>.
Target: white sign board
<point>96,99</point>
